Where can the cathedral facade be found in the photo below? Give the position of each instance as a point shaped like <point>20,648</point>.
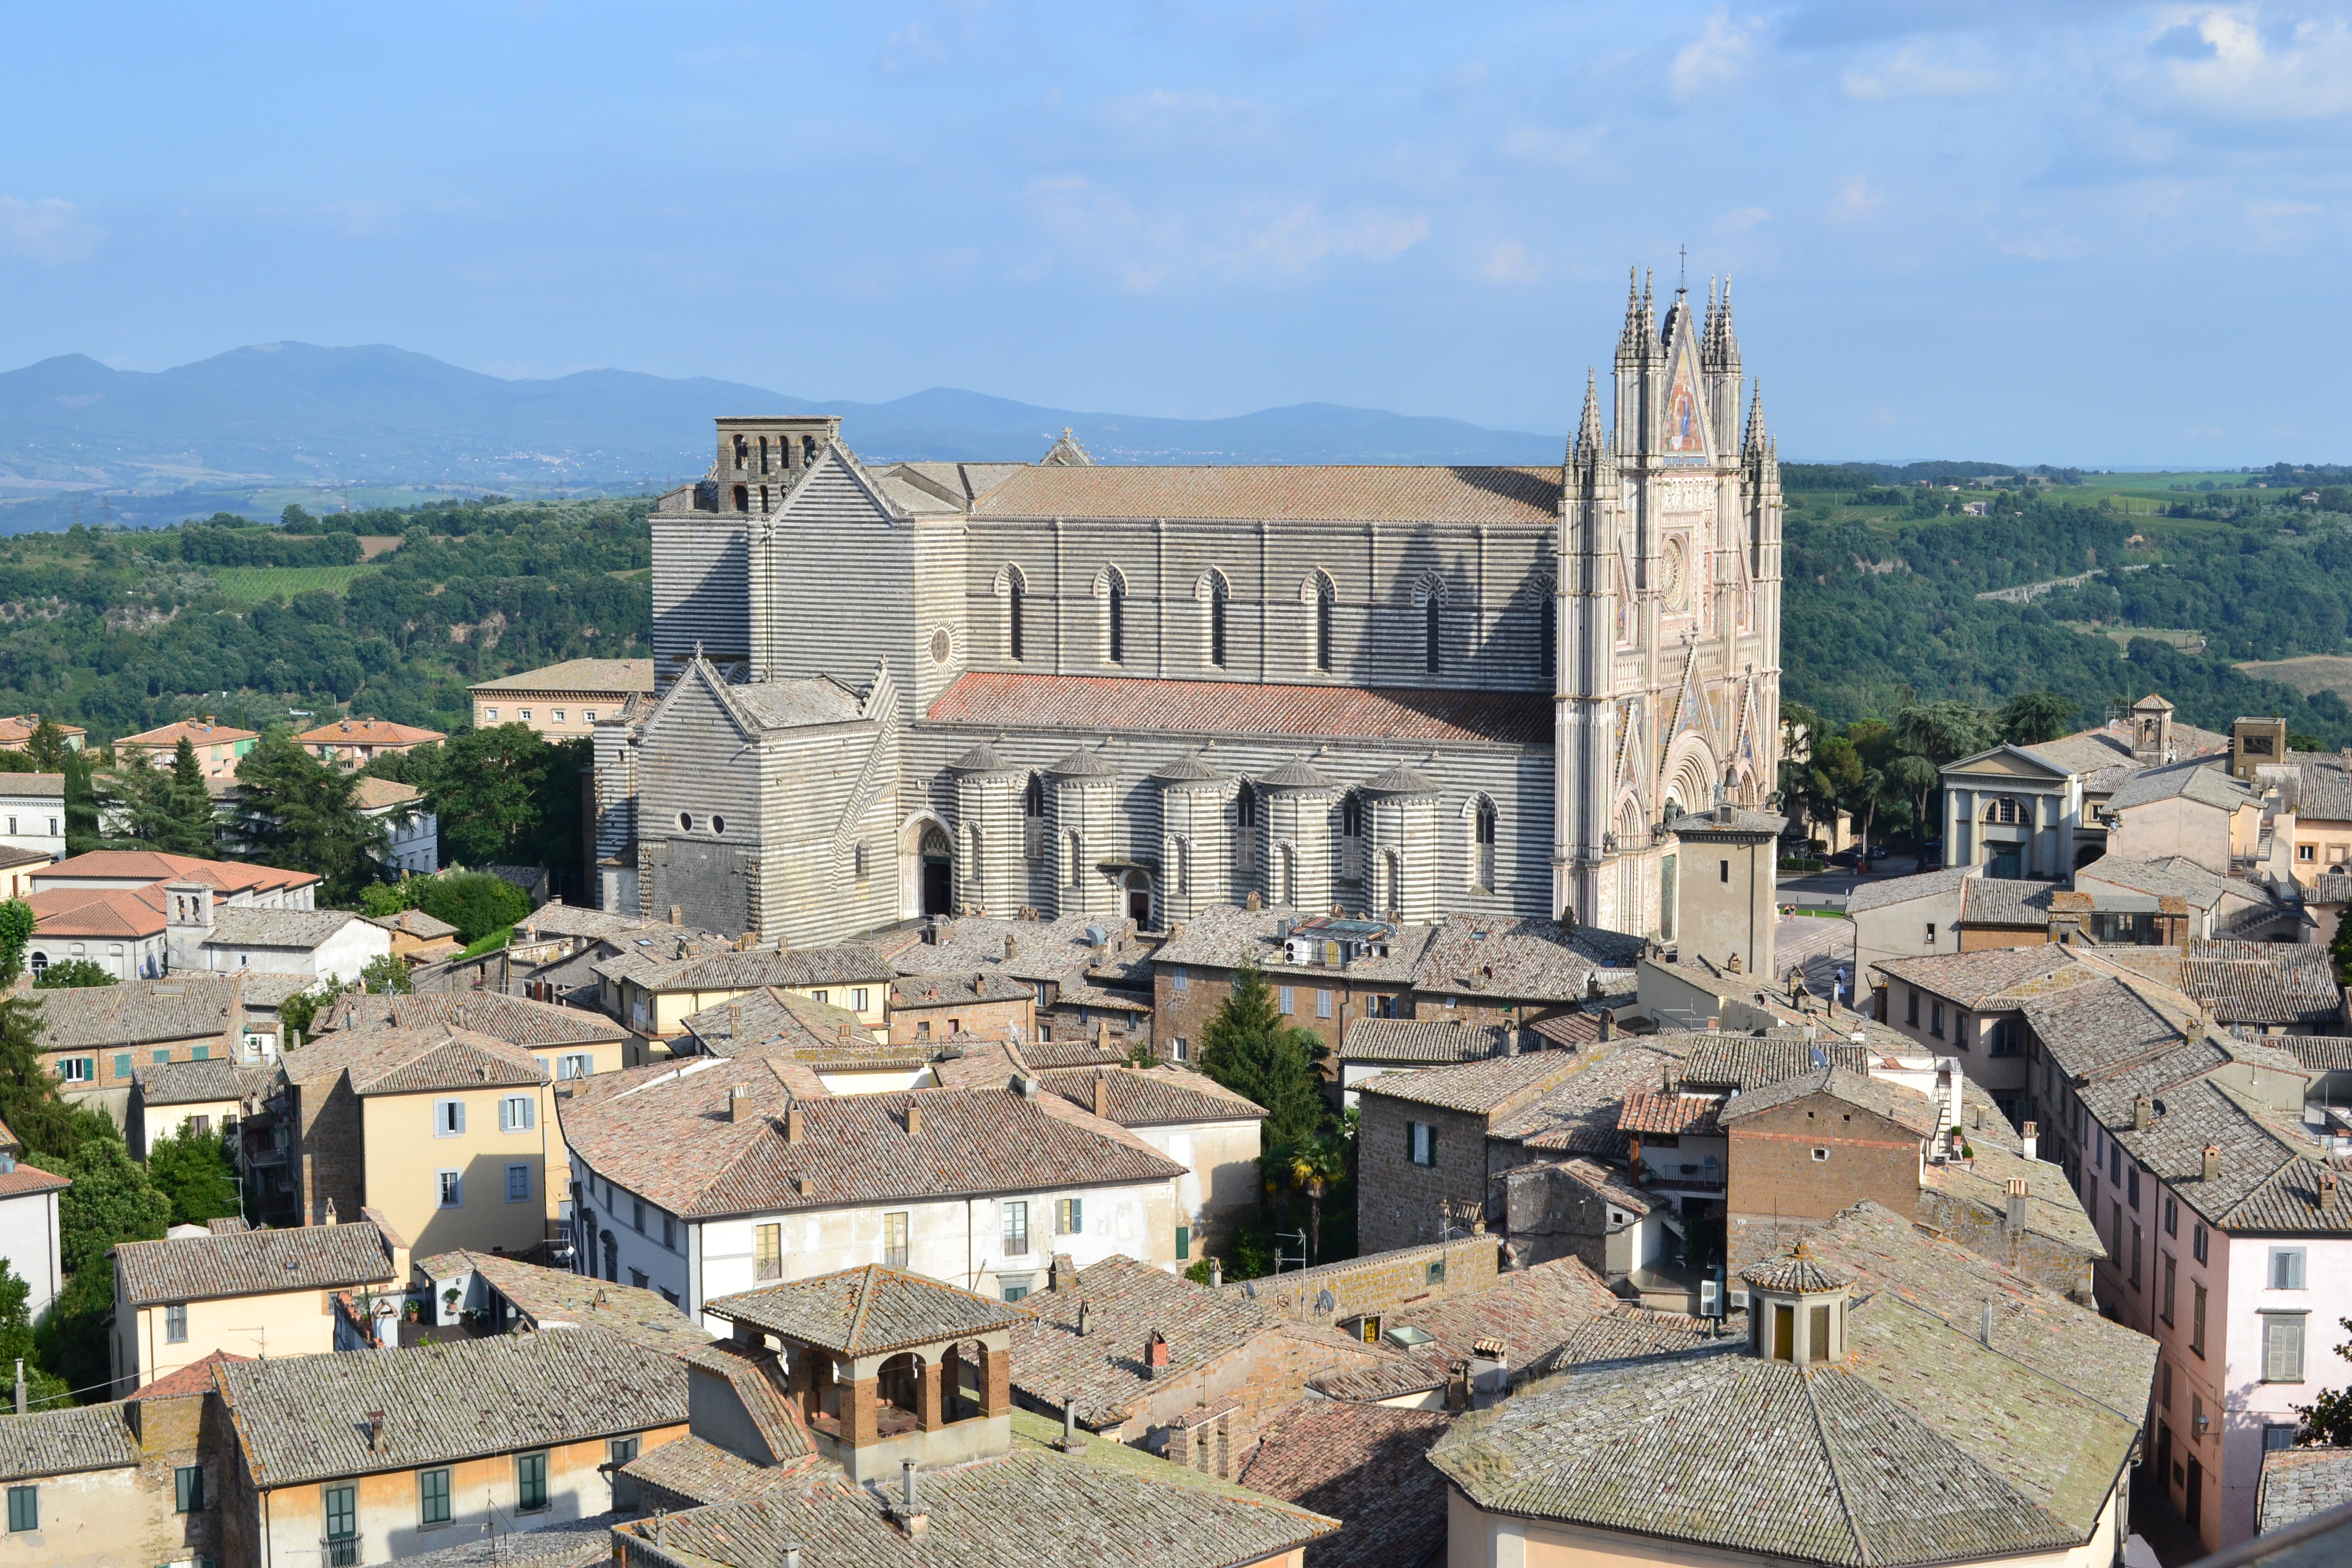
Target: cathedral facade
<point>924,688</point>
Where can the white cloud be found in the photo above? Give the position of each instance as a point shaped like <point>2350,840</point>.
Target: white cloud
<point>1911,73</point>
<point>1301,236</point>
<point>1739,220</point>
<point>1565,149</point>
<point>1147,251</point>
<point>1715,58</point>
<point>1160,117</point>
<point>51,232</point>
<point>2054,244</point>
<point>1855,199</point>
<point>1508,263</point>
<point>2225,61</point>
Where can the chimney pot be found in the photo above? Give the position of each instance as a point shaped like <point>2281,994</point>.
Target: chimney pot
<point>791,1557</point>
<point>2017,1194</point>
<point>1609,1023</point>
<point>914,1118</point>
<point>1216,1273</point>
<point>1082,1320</point>
<point>2142,1113</point>
<point>1102,1094</point>
<point>1155,1354</point>
<point>1984,1325</point>
<point>2213,1166</point>
<point>795,1125</point>
<point>375,1428</point>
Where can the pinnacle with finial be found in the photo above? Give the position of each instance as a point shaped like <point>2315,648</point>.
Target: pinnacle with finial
<point>1755,433</point>
<point>1587,429</point>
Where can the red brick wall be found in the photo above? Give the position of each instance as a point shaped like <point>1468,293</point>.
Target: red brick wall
<point>989,1019</point>
<point>1774,1172</point>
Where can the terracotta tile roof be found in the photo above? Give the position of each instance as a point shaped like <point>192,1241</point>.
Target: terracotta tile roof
<point>1151,1097</point>
<point>2005,901</point>
<point>1670,1114</point>
<point>761,1022</point>
<point>1527,1311</point>
<point>1877,893</point>
<point>1747,1062</point>
<point>26,1180</point>
<point>1364,1465</point>
<point>560,1544</point>
<point>169,736</point>
<point>152,865</point>
<point>213,1081</point>
<point>1982,980</point>
<point>18,728</point>
<point>1102,1370</point>
<point>557,1298</point>
<point>1526,959</point>
<point>757,1376</point>
<point>412,923</point>
<point>301,930</point>
<point>65,1442</point>
<point>914,993</point>
<point>1906,1107</point>
<point>136,1012</point>
<point>412,1061</point>
<point>2264,982</point>
<point>34,787</point>
<point>252,1263</point>
<point>1496,1087</point>
<point>702,1472</point>
<point>517,1020</point>
<point>1578,1114</point>
<point>865,1311</point>
<point>2300,1482</point>
<point>1031,1505</point>
<point>2323,1053</point>
<point>1287,492</point>
<point>1835,1458</point>
<point>576,676</point>
<point>2052,1209</point>
<point>367,733</point>
<point>302,1419</point>
<point>1424,1041</point>
<point>195,1378</point>
<point>664,1134</point>
<point>687,962</point>
<point>116,913</point>
<point>1402,714</point>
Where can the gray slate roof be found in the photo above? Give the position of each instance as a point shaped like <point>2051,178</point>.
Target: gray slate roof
<point>252,1263</point>
<point>2199,779</point>
<point>865,1311</point>
<point>1494,1085</point>
<point>1526,958</point>
<point>1874,893</point>
<point>517,1020</point>
<point>304,1418</point>
<point>63,1442</point>
<point>1029,1506</point>
<point>237,926</point>
<point>2300,1482</point>
<point>136,1012</point>
<point>209,1082</point>
<point>2005,901</point>
<point>1421,1040</point>
<point>1980,980</point>
<point>1883,1458</point>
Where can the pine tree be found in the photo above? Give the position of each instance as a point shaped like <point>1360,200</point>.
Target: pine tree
<point>1248,1049</point>
<point>303,815</point>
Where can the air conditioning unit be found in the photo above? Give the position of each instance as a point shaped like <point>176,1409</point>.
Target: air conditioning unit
<point>1710,1299</point>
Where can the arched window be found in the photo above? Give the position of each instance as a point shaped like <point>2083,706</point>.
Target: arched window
<point>1032,818</point>
<point>1351,836</point>
<point>763,454</point>
<point>1012,587</point>
<point>1245,826</point>
<point>1547,629</point>
<point>1482,843</point>
<point>808,449</point>
<point>1077,849</point>
<point>1218,593</point>
<point>1430,622</point>
<point>1392,881</point>
<point>1327,600</point>
<point>972,870</point>
<point>742,497</point>
<point>1110,587</point>
<point>742,451</point>
<point>1287,892</point>
<point>1183,864</point>
<point>2003,810</point>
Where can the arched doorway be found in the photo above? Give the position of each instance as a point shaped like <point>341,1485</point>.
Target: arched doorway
<point>1138,899</point>
<point>899,1390</point>
<point>937,872</point>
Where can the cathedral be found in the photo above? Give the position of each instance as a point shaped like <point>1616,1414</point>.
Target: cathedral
<point>890,690</point>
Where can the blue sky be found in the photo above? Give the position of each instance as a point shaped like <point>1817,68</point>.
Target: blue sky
<point>2086,233</point>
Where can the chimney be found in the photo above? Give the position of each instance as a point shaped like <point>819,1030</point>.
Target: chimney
<point>841,1032</point>
<point>914,1118</point>
<point>1216,1274</point>
<point>907,1515</point>
<point>1102,1094</point>
<point>1155,1354</point>
<point>1082,1320</point>
<point>2142,1113</point>
<point>2327,1182</point>
<point>1984,1324</point>
<point>331,1212</point>
<point>2032,1140</point>
<point>738,1103</point>
<point>1254,902</point>
<point>1026,1085</point>
<point>734,1021</point>
<point>1069,1443</point>
<point>677,914</point>
<point>1012,948</point>
<point>2016,1203</point>
<point>1609,1023</point>
<point>1511,1040</point>
<point>375,1428</point>
<point>2212,1171</point>
<point>807,1185</point>
<point>792,1555</point>
<point>795,1126</point>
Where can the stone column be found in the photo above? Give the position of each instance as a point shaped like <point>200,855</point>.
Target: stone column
<point>927,1395</point>
<point>996,1381</point>
<point>860,1416</point>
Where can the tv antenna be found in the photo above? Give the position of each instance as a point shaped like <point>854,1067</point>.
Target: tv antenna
<point>1682,275</point>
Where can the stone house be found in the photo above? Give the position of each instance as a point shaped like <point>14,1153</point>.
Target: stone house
<point>717,1175</point>
<point>94,1486</point>
<point>990,1004</point>
<point>375,1456</point>
<point>568,1043</point>
<point>444,1130</point>
<point>1091,975</point>
<point>97,1038</point>
<point>1421,1163</point>
<point>248,1292</point>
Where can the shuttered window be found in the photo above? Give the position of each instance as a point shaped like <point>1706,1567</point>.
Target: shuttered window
<point>2282,1347</point>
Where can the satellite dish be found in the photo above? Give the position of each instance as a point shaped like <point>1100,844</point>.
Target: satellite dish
<point>1326,1302</point>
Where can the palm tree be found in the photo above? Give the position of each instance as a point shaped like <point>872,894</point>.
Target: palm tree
<point>1916,777</point>
<point>1315,1164</point>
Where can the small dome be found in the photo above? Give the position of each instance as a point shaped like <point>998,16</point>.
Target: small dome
<point>1186,770</point>
<point>979,760</point>
<point>1398,780</point>
<point>1295,775</point>
<point>1796,1273</point>
<point>1080,764</point>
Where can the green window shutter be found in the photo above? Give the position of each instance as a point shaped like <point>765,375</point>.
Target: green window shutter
<point>122,1064</point>
<point>1183,1242</point>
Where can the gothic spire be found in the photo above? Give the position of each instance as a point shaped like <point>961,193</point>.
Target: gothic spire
<point>1730,349</point>
<point>1631,336</point>
<point>1752,443</point>
<point>1587,429</point>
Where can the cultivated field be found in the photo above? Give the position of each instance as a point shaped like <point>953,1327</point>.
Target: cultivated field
<point>2313,673</point>
<point>251,584</point>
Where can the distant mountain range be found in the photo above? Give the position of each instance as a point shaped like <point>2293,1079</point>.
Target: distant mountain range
<point>279,414</point>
